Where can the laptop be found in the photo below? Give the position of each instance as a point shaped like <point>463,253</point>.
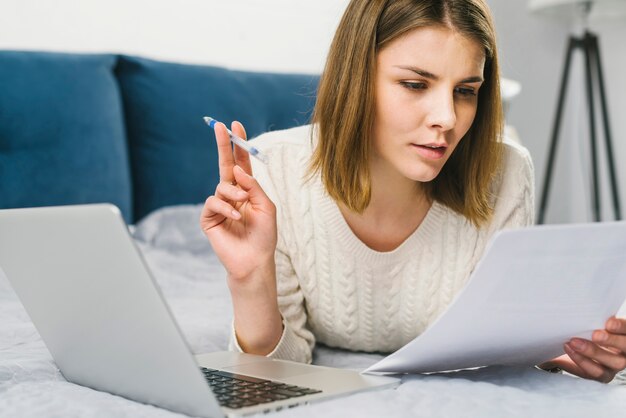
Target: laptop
<point>99,311</point>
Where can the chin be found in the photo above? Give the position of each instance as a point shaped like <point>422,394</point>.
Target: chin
<point>423,175</point>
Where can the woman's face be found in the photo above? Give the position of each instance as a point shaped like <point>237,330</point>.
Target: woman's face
<point>426,89</point>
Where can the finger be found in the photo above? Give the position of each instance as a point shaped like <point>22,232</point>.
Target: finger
<point>616,325</point>
<point>242,157</point>
<point>248,183</point>
<point>590,368</point>
<point>225,153</point>
<point>215,211</point>
<point>227,191</point>
<point>614,335</point>
<point>600,355</point>
<point>608,339</point>
<point>208,217</point>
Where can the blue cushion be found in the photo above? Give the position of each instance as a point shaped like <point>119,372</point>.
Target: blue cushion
<point>62,138</point>
<point>173,153</point>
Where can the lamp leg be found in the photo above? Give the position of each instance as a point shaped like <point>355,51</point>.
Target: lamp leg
<point>595,189</point>
<point>607,131</point>
<point>572,44</point>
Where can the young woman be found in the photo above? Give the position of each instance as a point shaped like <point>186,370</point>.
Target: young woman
<point>364,225</point>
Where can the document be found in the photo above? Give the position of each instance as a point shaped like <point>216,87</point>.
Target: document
<point>533,290</point>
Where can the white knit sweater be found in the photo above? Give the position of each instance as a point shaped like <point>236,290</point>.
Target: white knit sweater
<point>334,289</point>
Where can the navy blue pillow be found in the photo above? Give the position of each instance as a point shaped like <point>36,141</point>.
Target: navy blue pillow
<point>173,153</point>
<point>62,138</point>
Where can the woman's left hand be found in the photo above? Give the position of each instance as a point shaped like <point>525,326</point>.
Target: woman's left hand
<point>599,359</point>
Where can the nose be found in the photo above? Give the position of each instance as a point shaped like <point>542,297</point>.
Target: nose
<point>442,115</point>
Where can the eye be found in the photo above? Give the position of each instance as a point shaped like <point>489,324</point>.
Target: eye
<point>465,91</point>
<point>413,85</point>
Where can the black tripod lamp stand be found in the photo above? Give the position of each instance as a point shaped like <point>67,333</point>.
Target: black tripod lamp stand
<point>594,81</point>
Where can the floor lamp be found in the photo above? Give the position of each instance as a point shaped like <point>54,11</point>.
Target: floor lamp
<point>594,79</point>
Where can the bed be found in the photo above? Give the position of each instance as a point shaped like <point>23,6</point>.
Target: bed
<point>193,283</point>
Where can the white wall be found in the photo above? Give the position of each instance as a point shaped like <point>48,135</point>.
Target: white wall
<point>533,51</point>
<point>276,35</point>
<point>294,35</point>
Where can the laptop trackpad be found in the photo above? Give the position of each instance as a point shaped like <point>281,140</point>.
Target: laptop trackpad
<point>271,369</point>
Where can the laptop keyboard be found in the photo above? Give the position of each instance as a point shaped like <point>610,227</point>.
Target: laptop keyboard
<point>238,391</point>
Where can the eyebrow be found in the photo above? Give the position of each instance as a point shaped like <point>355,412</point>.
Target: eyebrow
<point>426,74</point>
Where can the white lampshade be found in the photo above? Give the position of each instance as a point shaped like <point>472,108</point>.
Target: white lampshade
<point>509,89</point>
<point>570,9</point>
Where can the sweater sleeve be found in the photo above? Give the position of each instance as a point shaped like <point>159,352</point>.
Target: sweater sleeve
<point>297,341</point>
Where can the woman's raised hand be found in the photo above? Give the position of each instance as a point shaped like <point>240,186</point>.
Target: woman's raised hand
<point>240,222</point>
<point>239,219</point>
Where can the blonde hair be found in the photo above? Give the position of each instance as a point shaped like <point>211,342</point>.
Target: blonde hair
<point>344,111</point>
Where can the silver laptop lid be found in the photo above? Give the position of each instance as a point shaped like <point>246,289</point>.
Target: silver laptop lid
<point>90,295</point>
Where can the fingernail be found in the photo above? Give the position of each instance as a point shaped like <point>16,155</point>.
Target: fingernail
<point>236,214</point>
<point>613,325</point>
<point>577,345</point>
<point>600,336</point>
<point>241,194</point>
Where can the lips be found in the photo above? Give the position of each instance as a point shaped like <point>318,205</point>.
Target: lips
<point>434,145</point>
<point>431,151</point>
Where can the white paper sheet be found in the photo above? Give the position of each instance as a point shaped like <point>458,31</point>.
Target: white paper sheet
<point>534,289</point>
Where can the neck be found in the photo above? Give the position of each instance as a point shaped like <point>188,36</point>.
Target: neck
<point>394,198</point>
<point>397,207</point>
<point>394,195</point>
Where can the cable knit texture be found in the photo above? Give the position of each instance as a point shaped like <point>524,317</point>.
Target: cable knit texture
<point>334,289</point>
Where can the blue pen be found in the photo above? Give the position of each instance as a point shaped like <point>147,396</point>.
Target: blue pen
<point>239,142</point>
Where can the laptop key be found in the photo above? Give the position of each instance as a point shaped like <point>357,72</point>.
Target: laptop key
<point>236,391</point>
<point>276,396</point>
<point>306,391</point>
<point>221,391</point>
<point>288,393</point>
<point>239,377</point>
<point>261,399</point>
